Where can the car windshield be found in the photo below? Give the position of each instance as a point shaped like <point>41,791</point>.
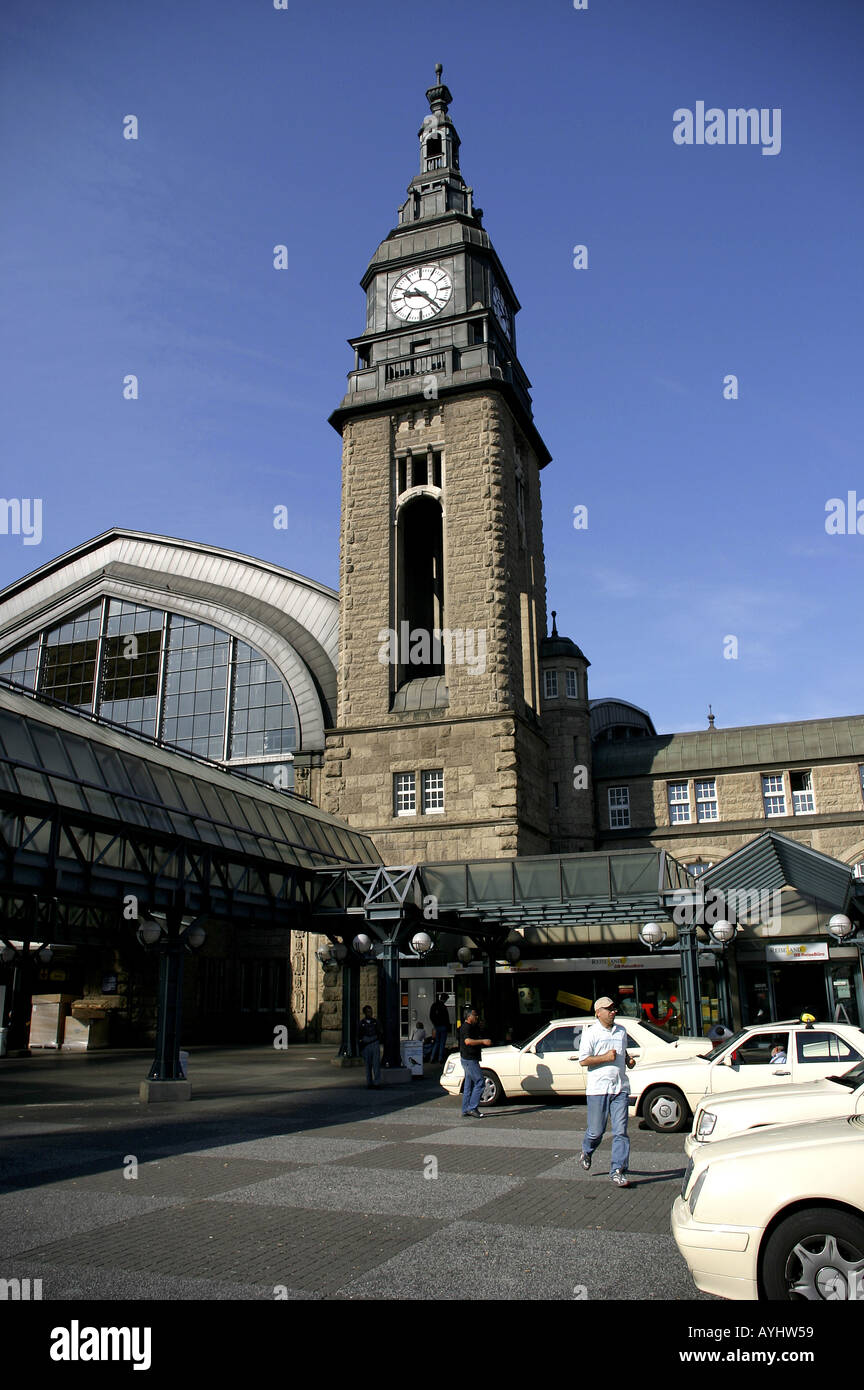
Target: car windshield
<point>852,1078</point>
<point>532,1037</point>
<point>662,1033</point>
<point>731,1043</point>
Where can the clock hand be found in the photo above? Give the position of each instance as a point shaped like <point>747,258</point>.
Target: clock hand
<point>410,294</point>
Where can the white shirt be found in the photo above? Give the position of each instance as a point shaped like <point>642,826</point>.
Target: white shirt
<point>612,1078</point>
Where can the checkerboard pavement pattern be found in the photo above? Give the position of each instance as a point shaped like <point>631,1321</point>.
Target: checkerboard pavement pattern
<point>331,1192</point>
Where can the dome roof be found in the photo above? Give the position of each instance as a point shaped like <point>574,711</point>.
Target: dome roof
<point>560,646</point>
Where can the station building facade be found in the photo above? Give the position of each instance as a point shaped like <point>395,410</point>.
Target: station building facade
<point>428,704</point>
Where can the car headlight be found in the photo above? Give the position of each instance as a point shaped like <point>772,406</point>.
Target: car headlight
<point>697,1188</point>
<point>705,1124</point>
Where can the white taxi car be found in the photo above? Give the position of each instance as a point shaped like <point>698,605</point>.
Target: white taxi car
<point>548,1063</point>
<point>777,1213</point>
<point>772,1055</point>
<point>719,1117</point>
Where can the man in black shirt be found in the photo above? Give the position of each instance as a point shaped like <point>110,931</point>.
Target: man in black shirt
<point>470,1049</point>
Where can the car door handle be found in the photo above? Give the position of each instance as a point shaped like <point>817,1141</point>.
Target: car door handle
<point>572,1059</point>
<point>781,1073</point>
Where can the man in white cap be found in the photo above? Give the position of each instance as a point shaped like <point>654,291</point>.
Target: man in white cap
<point>603,1053</point>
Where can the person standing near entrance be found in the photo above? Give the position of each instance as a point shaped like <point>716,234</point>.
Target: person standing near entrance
<point>439,1017</point>
<point>603,1053</point>
<point>370,1047</point>
<point>470,1047</point>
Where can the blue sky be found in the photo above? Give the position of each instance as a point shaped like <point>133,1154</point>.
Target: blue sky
<point>260,126</point>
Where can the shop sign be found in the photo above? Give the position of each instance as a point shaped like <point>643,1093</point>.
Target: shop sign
<point>797,950</point>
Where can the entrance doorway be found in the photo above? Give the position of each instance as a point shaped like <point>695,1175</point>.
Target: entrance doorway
<point>781,991</point>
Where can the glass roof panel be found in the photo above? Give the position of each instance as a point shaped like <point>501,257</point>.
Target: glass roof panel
<point>114,775</point>
<point>538,880</point>
<point>82,758</point>
<point>587,876</point>
<point>491,882</point>
<point>50,751</point>
<point>15,738</point>
<point>636,873</point>
<point>100,803</point>
<point>446,882</point>
<point>33,784</point>
<point>139,775</point>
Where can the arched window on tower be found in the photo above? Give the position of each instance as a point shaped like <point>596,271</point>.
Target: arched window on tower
<point>420,588</point>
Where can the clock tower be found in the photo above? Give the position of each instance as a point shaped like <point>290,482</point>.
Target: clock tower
<point>438,749</point>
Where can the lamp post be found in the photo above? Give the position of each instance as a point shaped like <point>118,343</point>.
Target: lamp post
<point>653,936</point>
<point>171,940</point>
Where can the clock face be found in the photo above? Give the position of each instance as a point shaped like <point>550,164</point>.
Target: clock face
<point>420,293</point>
<point>500,306</point>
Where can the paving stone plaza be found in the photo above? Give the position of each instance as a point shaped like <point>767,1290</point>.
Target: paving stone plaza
<point>285,1179</point>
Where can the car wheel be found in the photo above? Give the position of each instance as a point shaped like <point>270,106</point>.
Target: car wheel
<point>815,1255</point>
<point>665,1110</point>
<point>493,1091</point>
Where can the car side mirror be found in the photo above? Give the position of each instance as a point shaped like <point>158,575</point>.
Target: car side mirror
<point>728,1059</point>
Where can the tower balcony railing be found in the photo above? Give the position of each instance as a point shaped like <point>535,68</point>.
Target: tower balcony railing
<point>405,375</point>
<point>417,365</point>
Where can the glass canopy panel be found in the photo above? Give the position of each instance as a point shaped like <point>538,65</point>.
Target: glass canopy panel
<point>447,884</point>
<point>34,785</point>
<point>113,773</point>
<point>636,873</point>
<point>490,883</point>
<point>538,880</point>
<point>586,876</point>
<point>82,758</point>
<point>100,803</point>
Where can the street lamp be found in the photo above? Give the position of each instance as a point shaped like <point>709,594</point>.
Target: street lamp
<point>513,954</point>
<point>194,937</point>
<point>840,926</point>
<point>421,943</point>
<point>362,944</point>
<point>150,931</point>
<point>723,932</point>
<point>652,935</point>
<point>465,955</point>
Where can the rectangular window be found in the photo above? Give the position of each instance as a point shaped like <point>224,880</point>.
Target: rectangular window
<point>706,799</point>
<point>773,794</point>
<point>619,808</point>
<point>679,802</point>
<point>551,685</point>
<point>801,784</point>
<point>572,691</point>
<point>404,794</point>
<point>433,792</point>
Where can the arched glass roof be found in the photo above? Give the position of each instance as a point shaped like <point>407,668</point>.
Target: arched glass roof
<point>177,680</point>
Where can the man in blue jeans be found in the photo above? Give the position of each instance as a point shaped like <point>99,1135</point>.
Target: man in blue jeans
<point>603,1053</point>
<point>470,1049</point>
